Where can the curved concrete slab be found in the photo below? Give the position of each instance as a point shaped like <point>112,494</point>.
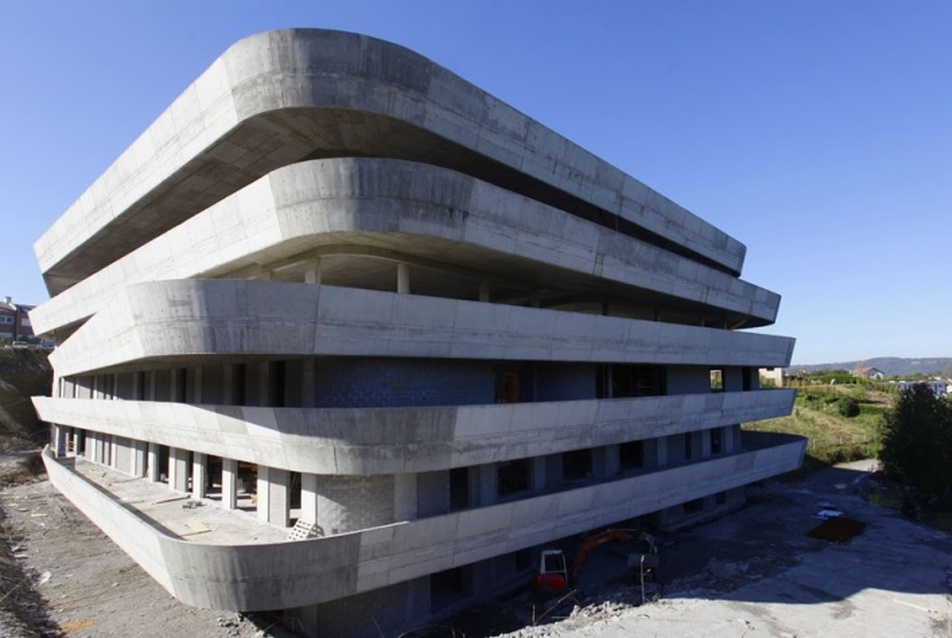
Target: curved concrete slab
<point>281,97</point>
<point>411,209</point>
<point>221,317</point>
<point>400,440</point>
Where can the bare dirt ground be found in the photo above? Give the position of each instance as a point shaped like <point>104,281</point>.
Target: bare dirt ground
<point>753,573</point>
<point>60,576</point>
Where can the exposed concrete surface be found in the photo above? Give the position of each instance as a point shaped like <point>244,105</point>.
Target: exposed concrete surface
<point>757,573</point>
<point>394,440</point>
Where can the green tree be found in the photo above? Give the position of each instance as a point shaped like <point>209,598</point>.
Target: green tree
<point>916,438</point>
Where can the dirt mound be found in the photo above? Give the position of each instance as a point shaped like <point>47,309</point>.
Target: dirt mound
<point>23,373</point>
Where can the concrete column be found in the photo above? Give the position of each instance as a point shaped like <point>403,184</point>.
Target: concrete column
<point>197,385</point>
<point>150,385</point>
<point>612,460</point>
<point>312,271</point>
<point>309,498</point>
<point>705,444</point>
<point>537,468</point>
<point>229,484</point>
<point>115,387</point>
<point>727,439</point>
<point>403,279</point>
<point>178,469</point>
<point>199,474</point>
<point>273,501</point>
<point>488,485</point>
<point>152,463</point>
<point>484,291</point>
<point>308,377</point>
<point>76,433</point>
<point>262,384</point>
<point>58,436</point>
<point>113,452</point>
<point>662,451</point>
<point>405,497</point>
<point>139,453</point>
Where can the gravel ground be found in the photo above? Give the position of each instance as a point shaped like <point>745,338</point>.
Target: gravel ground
<point>61,576</point>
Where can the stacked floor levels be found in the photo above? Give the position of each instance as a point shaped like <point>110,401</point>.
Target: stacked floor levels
<point>338,287</point>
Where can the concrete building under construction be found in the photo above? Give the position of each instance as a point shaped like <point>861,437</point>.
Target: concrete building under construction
<point>394,334</point>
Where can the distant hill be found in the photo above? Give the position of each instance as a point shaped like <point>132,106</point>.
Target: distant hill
<point>889,365</point>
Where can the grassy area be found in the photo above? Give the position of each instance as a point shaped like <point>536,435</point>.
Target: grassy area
<point>833,437</point>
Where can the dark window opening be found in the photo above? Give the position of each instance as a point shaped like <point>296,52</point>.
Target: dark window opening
<point>716,445</point>
<point>277,374</point>
<point>238,384</point>
<point>688,447</point>
<point>523,560</point>
<point>632,454</point>
<point>181,383</point>
<point>459,488</point>
<point>576,464</point>
<point>513,477</point>
<point>692,507</point>
<point>720,498</point>
<point>448,587</point>
<point>507,387</point>
<point>627,381</point>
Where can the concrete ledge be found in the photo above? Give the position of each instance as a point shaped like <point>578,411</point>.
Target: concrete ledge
<point>298,573</point>
<point>416,210</point>
<point>277,98</point>
<point>216,317</point>
<point>399,440</point>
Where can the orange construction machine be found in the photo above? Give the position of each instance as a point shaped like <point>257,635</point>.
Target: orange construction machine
<point>553,573</point>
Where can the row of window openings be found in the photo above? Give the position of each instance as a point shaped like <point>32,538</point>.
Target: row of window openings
<point>616,381</point>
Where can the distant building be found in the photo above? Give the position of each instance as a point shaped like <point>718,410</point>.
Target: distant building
<point>939,387</point>
<point>874,374</point>
<point>772,375</point>
<point>15,320</point>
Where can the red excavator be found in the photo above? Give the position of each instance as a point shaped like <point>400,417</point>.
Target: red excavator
<point>553,574</point>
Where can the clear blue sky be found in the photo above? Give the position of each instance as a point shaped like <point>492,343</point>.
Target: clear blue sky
<point>818,133</point>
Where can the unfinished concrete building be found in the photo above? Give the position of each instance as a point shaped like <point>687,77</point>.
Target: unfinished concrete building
<point>394,334</point>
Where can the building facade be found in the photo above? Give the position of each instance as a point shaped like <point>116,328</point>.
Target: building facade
<point>15,322</point>
<point>336,289</point>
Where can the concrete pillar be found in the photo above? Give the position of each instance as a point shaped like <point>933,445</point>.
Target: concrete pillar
<point>727,439</point>
<point>262,384</point>
<point>308,379</point>
<point>403,279</point>
<point>612,460</point>
<point>538,473</point>
<point>484,291</point>
<point>113,452</point>
<point>178,469</point>
<point>115,387</point>
<point>705,444</point>
<point>312,271</point>
<point>309,498</point>
<point>273,501</point>
<point>76,434</point>
<point>139,458</point>
<point>487,484</point>
<point>662,451</point>
<point>58,436</point>
<point>229,484</point>
<point>197,385</point>
<point>150,385</point>
<point>405,497</point>
<point>152,463</point>
<point>199,474</point>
